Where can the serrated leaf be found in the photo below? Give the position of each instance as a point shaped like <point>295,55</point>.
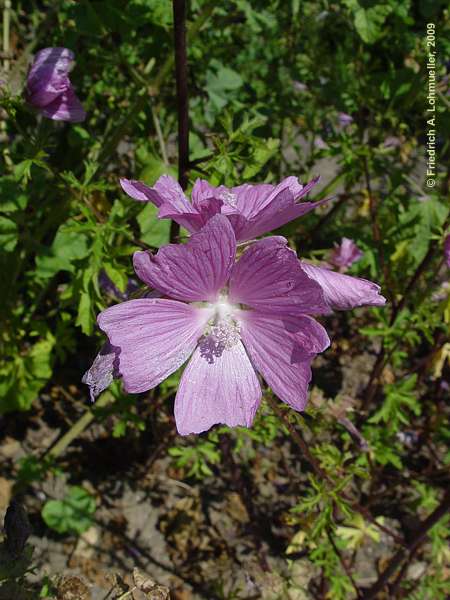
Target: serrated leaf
<point>369,22</point>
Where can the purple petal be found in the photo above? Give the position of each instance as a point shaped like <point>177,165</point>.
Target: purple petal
<point>248,198</point>
<point>172,194</point>
<point>268,276</point>
<point>155,338</point>
<point>344,119</point>
<point>278,207</point>
<point>345,254</point>
<point>342,292</point>
<point>282,350</point>
<point>141,192</point>
<point>224,391</point>
<point>168,196</point>
<point>102,371</point>
<point>48,75</point>
<point>194,271</point>
<point>65,107</point>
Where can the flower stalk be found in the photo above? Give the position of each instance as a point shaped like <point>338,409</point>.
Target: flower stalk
<point>181,75</point>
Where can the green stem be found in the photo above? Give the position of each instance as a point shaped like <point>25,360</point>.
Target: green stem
<point>6,32</point>
<point>77,428</point>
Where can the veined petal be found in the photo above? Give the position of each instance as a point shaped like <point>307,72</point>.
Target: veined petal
<point>224,391</point>
<point>48,75</point>
<point>155,338</point>
<point>280,207</point>
<point>282,350</point>
<point>172,195</point>
<point>195,271</point>
<point>268,276</point>
<point>342,292</point>
<point>103,370</point>
<point>141,192</point>
<point>168,196</point>
<point>251,198</point>
<point>65,107</point>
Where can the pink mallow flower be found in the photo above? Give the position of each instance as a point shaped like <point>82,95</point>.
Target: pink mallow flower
<point>231,320</point>
<point>251,209</point>
<point>49,89</point>
<point>344,255</point>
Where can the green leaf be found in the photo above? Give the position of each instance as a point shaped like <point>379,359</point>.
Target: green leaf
<point>154,232</point>
<point>68,246</point>
<point>85,317</point>
<point>73,514</point>
<point>8,234</point>
<point>12,197</point>
<point>22,378</point>
<point>369,22</point>
<point>262,152</point>
<point>118,278</point>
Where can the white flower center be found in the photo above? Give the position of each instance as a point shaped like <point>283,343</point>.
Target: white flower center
<point>229,198</point>
<point>223,331</point>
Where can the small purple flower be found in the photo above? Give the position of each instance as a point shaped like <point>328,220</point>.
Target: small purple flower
<point>49,89</point>
<point>447,250</point>
<point>344,119</point>
<point>232,319</point>
<point>251,209</point>
<point>344,255</point>
<point>320,143</point>
<point>392,142</point>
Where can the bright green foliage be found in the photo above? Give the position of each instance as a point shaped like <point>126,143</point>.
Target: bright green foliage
<point>72,514</point>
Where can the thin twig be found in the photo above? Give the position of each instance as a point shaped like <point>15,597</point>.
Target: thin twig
<point>159,134</point>
<point>343,563</point>
<point>411,547</point>
<point>77,428</point>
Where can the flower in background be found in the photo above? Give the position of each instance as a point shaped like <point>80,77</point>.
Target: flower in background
<point>320,143</point>
<point>447,250</point>
<point>344,119</point>
<point>344,255</point>
<point>232,319</point>
<point>299,86</point>
<point>251,209</point>
<point>392,142</point>
<point>49,89</point>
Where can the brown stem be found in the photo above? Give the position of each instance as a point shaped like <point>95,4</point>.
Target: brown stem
<point>411,547</point>
<point>181,75</point>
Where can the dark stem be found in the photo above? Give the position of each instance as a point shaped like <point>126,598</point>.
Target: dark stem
<point>411,548</point>
<point>181,70</point>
